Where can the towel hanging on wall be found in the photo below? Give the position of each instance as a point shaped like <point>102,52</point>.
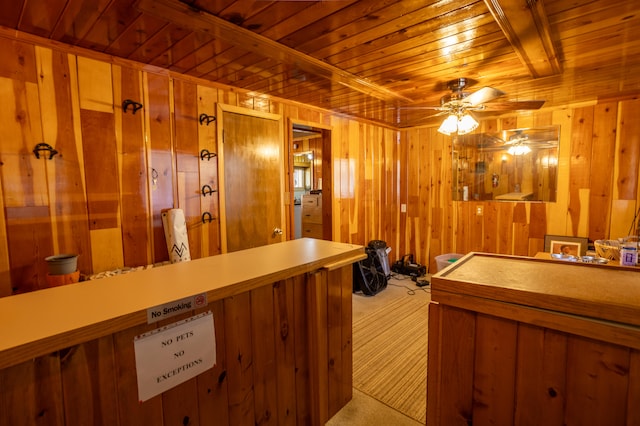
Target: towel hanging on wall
<point>175,233</point>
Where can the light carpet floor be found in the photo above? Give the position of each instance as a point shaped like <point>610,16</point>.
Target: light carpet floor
<point>390,347</point>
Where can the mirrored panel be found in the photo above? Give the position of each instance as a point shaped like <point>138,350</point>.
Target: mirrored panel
<point>511,165</point>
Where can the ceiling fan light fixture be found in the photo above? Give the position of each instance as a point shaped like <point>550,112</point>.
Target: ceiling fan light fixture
<point>467,124</point>
<point>458,123</point>
<point>449,125</point>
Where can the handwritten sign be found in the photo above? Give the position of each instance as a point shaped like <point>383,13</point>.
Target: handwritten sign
<point>174,354</point>
<point>176,307</point>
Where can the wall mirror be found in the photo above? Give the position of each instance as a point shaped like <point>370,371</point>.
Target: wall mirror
<point>511,165</point>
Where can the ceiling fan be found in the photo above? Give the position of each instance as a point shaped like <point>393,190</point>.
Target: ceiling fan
<point>459,104</point>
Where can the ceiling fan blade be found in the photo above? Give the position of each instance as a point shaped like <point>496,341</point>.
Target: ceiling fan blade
<point>513,105</point>
<point>437,108</point>
<point>483,95</point>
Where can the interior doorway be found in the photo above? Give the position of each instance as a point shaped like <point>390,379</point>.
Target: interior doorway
<point>311,181</point>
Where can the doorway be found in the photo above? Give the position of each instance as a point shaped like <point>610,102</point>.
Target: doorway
<point>310,182</point>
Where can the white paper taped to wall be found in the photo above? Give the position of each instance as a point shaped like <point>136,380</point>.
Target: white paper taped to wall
<point>175,233</point>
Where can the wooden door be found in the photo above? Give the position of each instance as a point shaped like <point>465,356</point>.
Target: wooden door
<point>251,178</point>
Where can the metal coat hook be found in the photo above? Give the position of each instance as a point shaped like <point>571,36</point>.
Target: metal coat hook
<point>207,119</point>
<point>206,154</point>
<point>207,190</point>
<point>135,106</point>
<point>206,217</point>
<point>44,147</point>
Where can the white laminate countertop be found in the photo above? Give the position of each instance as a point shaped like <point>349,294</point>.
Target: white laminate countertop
<point>100,306</point>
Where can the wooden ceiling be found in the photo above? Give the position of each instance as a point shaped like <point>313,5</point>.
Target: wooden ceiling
<point>375,59</point>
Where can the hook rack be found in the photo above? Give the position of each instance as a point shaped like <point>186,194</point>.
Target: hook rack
<point>209,192</point>
<point>135,106</point>
<point>207,119</point>
<point>44,147</point>
<point>207,217</point>
<point>206,154</point>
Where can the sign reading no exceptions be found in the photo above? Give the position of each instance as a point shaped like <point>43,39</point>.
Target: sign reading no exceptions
<point>174,354</point>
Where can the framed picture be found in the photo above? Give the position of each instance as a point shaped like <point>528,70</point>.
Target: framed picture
<point>577,246</point>
<point>566,248</point>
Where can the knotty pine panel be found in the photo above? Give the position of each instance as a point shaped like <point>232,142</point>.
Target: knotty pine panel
<point>24,400</point>
<point>77,19</point>
<point>18,61</point>
<point>602,157</point>
<point>301,344</point>
<point>101,165</point>
<point>541,364</point>
<point>95,85</point>
<point>187,158</point>
<point>264,363</point>
<point>494,372</point>
<point>587,398</point>
<point>66,180</point>
<point>130,410</point>
<point>180,404</point>
<point>452,380</point>
<point>633,409</point>
<point>134,176</point>
<point>5,263</point>
<point>212,384</point>
<point>23,176</point>
<point>339,313</point>
<point>579,162</point>
<point>160,157</point>
<point>629,150</point>
<point>30,241</point>
<point>89,383</point>
<point>239,355</point>
<point>284,320</point>
<point>208,172</point>
<point>28,230</point>
<point>356,204</point>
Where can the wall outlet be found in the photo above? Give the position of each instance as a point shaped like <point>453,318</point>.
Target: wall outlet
<point>479,210</point>
<point>403,208</point>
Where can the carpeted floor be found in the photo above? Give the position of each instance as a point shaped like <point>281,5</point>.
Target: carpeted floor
<point>390,347</point>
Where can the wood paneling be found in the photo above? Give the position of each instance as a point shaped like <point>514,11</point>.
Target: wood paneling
<point>134,176</point>
<point>592,158</point>
<point>374,171</point>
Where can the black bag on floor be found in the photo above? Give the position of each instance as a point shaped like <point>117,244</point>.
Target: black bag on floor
<point>369,274</point>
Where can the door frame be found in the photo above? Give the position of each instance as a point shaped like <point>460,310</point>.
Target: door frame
<point>327,177</point>
<point>222,220</point>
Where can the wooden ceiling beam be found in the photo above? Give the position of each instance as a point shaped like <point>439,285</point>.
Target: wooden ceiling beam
<point>181,14</point>
<point>525,24</point>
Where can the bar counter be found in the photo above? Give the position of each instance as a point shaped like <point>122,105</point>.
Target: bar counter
<point>282,314</point>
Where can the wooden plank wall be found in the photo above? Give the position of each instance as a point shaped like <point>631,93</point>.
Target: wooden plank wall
<point>597,194</point>
<point>102,195</point>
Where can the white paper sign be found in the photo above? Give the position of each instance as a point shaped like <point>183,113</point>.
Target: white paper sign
<point>174,354</point>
